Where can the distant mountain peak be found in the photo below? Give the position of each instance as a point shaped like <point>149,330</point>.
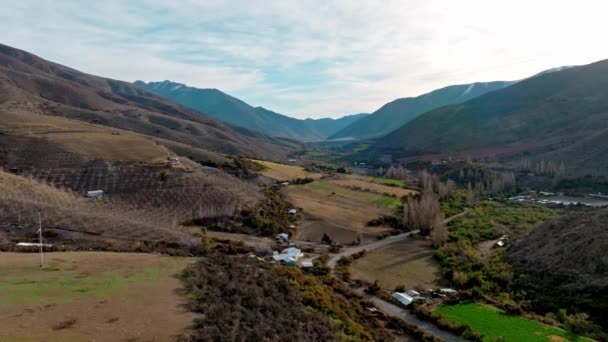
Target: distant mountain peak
<point>236,112</point>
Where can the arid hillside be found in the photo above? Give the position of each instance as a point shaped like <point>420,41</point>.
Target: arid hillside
<point>29,84</point>
<point>571,247</point>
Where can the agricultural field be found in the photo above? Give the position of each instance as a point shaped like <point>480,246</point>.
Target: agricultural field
<point>85,296</point>
<point>497,325</point>
<point>409,262</point>
<point>327,188</point>
<point>283,172</point>
<point>342,205</point>
<point>313,230</point>
<point>388,181</point>
<point>368,184</point>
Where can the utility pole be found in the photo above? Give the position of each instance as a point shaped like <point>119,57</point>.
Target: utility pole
<point>40,240</point>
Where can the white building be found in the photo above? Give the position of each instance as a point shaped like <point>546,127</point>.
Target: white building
<point>402,298</point>
<point>288,256</point>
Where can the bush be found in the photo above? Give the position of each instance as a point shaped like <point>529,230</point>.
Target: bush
<point>400,288</point>
<point>374,288</point>
<point>302,181</point>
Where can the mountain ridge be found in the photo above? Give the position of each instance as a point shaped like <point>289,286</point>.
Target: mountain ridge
<point>560,116</point>
<point>232,110</point>
<point>29,83</point>
<point>398,112</point>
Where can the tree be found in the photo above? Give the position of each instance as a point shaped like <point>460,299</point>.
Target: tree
<point>421,212</point>
<point>439,234</point>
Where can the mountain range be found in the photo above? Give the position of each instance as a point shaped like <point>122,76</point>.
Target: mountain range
<point>231,110</point>
<point>561,116</point>
<point>32,85</point>
<point>397,113</point>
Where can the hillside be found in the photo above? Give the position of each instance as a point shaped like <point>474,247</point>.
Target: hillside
<point>397,113</point>
<point>29,84</point>
<point>231,110</point>
<point>571,247</point>
<point>560,116</point>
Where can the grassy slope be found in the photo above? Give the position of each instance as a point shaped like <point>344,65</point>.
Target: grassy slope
<point>493,324</point>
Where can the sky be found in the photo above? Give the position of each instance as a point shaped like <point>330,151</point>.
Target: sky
<point>310,58</point>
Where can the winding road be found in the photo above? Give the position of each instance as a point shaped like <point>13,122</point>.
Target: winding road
<point>391,309</point>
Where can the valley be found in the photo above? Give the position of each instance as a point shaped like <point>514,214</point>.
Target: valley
<point>160,221</point>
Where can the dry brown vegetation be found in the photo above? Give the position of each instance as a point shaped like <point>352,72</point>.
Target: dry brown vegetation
<point>284,172</point>
<point>129,220</point>
<point>357,182</point>
<point>244,299</point>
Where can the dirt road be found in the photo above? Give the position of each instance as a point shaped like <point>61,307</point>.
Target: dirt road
<point>346,252</point>
<point>333,260</point>
<point>393,310</point>
<point>389,308</point>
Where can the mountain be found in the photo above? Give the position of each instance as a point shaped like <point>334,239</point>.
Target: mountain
<point>32,85</point>
<point>561,116</point>
<point>395,114</point>
<point>571,246</point>
<point>236,112</point>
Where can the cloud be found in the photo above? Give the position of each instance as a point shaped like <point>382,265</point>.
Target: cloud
<point>310,58</point>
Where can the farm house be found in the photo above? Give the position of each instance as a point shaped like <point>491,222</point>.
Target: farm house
<point>288,256</point>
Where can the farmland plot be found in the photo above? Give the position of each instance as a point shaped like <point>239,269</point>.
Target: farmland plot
<point>91,296</point>
<point>283,172</point>
<point>408,262</point>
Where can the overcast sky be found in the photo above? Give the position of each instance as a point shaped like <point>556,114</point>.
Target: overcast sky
<point>310,58</point>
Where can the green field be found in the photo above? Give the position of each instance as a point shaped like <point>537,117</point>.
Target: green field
<point>361,148</point>
<point>388,181</point>
<point>379,200</point>
<point>495,324</point>
<point>60,282</point>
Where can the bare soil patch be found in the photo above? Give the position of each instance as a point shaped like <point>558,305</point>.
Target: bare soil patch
<point>87,296</point>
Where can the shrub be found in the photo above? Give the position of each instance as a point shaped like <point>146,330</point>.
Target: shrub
<point>374,288</point>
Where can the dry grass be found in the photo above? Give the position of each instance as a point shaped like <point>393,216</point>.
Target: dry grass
<point>367,185</point>
<point>283,172</point>
<point>408,262</point>
<point>86,140</point>
<point>87,296</point>
<point>104,145</point>
<point>344,211</point>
